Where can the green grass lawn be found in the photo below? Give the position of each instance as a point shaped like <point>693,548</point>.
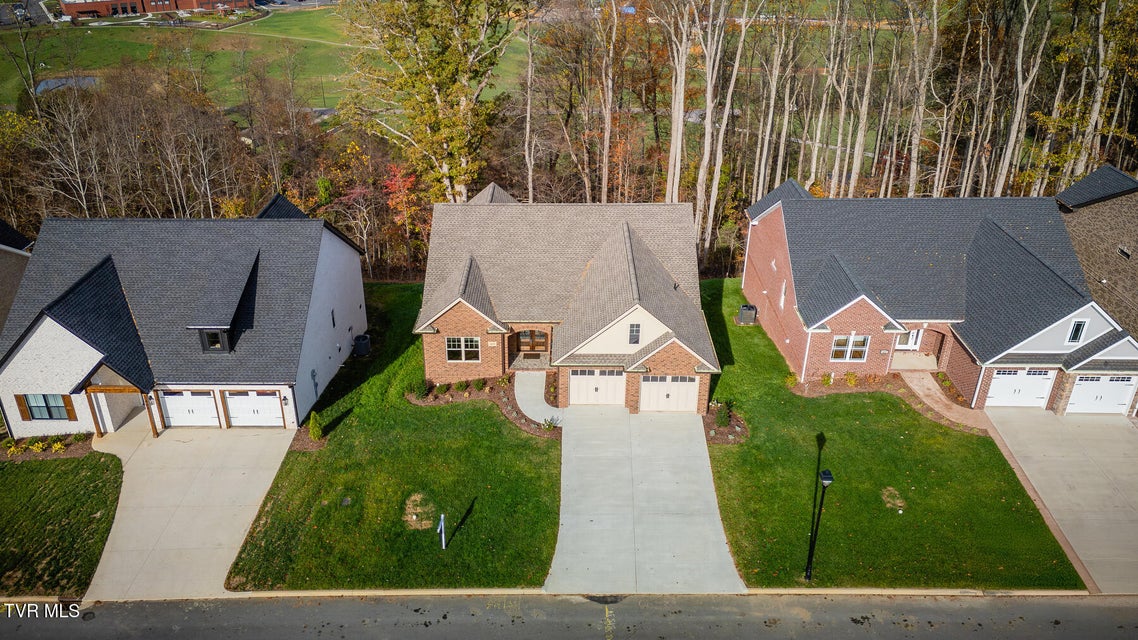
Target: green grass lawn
<point>967,522</point>
<point>55,516</point>
<point>334,518</point>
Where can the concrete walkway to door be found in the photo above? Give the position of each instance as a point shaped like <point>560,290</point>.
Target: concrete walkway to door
<point>638,507</point>
<point>188,499</point>
<point>1082,467</point>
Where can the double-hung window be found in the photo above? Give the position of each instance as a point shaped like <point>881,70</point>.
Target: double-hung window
<point>850,348</point>
<point>463,349</point>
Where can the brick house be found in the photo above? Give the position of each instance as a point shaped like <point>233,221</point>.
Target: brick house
<point>987,290</point>
<point>605,296</point>
<point>108,8</point>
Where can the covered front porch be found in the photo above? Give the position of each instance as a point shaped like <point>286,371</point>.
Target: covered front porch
<point>528,349</point>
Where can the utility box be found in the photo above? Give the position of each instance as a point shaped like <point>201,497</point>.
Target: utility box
<point>747,314</point>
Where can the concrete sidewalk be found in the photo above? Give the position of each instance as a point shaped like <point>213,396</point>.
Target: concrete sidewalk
<point>529,393</point>
<point>188,499</point>
<point>926,389</point>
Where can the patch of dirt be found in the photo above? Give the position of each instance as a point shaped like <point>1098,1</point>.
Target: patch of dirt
<point>892,498</point>
<point>503,396</point>
<point>734,433</point>
<point>74,450</point>
<point>551,388</point>
<point>946,387</point>
<point>892,383</point>
<point>301,441</point>
<point>417,515</point>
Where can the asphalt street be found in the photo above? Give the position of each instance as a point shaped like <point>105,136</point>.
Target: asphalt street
<point>657,617</point>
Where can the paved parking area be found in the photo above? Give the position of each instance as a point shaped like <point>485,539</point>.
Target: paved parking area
<point>638,507</point>
<point>188,499</point>
<point>1083,468</point>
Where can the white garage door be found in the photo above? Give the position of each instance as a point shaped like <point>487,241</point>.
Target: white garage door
<point>596,386</point>
<point>254,409</point>
<point>1102,394</point>
<point>1020,388</point>
<point>669,393</point>
<point>189,409</point>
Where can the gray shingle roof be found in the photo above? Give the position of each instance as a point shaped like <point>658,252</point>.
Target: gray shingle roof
<point>570,263</point>
<point>96,311</point>
<point>12,265</point>
<point>1099,344</point>
<point>167,269</point>
<point>1101,184</point>
<point>833,288</point>
<point>493,194</point>
<point>789,190</point>
<point>280,208</point>
<point>467,285</point>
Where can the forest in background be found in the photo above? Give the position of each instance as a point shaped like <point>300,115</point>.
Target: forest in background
<point>712,102</point>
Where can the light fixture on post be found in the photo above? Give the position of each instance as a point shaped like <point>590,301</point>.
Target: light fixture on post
<point>827,479</point>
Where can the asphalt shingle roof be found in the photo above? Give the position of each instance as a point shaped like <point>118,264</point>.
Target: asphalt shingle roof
<point>281,208</point>
<point>1101,184</point>
<point>789,190</point>
<point>169,269</point>
<point>493,194</point>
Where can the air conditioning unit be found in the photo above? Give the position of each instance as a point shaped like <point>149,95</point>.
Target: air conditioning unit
<point>747,314</point>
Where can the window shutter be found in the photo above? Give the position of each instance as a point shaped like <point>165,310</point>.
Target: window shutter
<point>70,408</point>
<point>23,405</point>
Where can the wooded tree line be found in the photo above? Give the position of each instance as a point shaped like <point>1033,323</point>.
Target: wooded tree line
<point>712,102</point>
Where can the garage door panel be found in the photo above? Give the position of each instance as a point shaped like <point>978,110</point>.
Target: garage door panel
<point>1020,388</point>
<point>1102,394</point>
<point>254,408</point>
<point>596,386</point>
<point>189,409</point>
<point>669,393</point>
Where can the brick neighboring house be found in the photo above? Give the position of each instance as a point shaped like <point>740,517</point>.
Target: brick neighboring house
<point>987,290</point>
<point>108,8</point>
<point>604,295</point>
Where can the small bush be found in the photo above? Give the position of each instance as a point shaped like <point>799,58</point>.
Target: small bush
<point>723,416</point>
<point>551,423</point>
<point>38,446</point>
<point>791,381</point>
<point>479,384</point>
<point>315,427</point>
<point>417,388</point>
<point>79,437</point>
<point>504,380</point>
<point>441,389</point>
<point>14,449</point>
<point>872,378</point>
<point>461,386</point>
<point>942,376</point>
<point>947,383</point>
<point>827,379</point>
<point>58,447</point>
<point>851,379</point>
<point>54,439</point>
<point>7,442</point>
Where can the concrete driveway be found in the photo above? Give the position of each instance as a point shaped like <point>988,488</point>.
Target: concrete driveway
<point>638,507</point>
<point>1083,468</point>
<point>188,499</point>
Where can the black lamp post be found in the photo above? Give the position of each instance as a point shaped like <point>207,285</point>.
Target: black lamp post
<point>827,479</point>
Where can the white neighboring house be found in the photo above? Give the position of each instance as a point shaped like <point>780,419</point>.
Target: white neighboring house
<point>199,323</point>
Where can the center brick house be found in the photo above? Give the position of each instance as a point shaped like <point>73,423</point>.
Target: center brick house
<point>605,296</point>
<point>987,290</point>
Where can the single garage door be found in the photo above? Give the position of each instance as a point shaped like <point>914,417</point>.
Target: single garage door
<point>189,409</point>
<point>596,386</point>
<point>1102,394</point>
<point>254,409</point>
<point>669,393</point>
<point>1020,388</point>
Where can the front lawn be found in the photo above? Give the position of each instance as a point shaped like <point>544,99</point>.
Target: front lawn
<point>913,504</point>
<point>352,514</point>
<point>55,516</point>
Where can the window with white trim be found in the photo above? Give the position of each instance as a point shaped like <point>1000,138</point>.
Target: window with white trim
<point>851,348</point>
<point>463,349</point>
<point>634,333</point>
<point>1078,328</point>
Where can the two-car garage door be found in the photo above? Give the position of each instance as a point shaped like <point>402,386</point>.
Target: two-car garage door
<point>243,408</point>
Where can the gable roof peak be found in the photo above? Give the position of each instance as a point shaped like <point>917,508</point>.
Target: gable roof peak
<point>493,194</point>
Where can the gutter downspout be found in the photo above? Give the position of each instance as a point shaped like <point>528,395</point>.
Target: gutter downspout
<point>806,356</point>
<point>979,383</point>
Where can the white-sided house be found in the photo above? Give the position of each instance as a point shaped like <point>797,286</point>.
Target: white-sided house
<point>200,323</point>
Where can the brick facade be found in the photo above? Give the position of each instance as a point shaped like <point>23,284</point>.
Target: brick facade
<point>462,321</point>
<point>1061,391</point>
<point>765,272</point>
<point>672,360</point>
<point>960,367</point>
<point>861,319</point>
<point>107,8</point>
<point>985,384</point>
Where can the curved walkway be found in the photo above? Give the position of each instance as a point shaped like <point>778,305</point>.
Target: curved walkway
<point>638,507</point>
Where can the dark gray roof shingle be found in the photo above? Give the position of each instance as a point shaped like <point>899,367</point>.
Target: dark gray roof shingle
<point>493,194</point>
<point>168,268</point>
<point>789,190</point>
<point>281,208</point>
<point>1103,183</point>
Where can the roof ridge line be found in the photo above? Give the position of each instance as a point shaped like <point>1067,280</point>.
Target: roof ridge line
<point>633,282</point>
<point>1035,257</point>
<point>466,275</point>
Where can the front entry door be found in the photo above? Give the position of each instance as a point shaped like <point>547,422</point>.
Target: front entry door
<point>533,340</point>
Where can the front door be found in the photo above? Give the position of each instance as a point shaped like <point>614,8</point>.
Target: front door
<point>910,341</point>
<point>532,340</point>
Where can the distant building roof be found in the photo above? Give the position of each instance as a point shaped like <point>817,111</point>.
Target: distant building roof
<point>281,208</point>
<point>493,194</point>
<point>13,239</point>
<point>1103,183</point>
<point>78,82</point>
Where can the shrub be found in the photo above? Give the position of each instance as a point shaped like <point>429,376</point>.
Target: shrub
<point>942,376</point>
<point>872,378</point>
<point>15,449</point>
<point>461,386</point>
<point>551,423</point>
<point>479,384</point>
<point>39,446</point>
<point>441,389</point>
<point>827,379</point>
<point>947,383</point>
<point>315,428</point>
<point>417,388</point>
<point>58,447</point>
<point>723,416</point>
<point>791,381</point>
<point>54,439</point>
<point>7,442</point>
<point>504,380</point>
<point>851,379</point>
<point>79,437</point>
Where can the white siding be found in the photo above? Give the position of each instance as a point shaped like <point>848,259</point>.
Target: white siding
<point>338,286</point>
<point>1054,338</point>
<point>615,338</point>
<point>49,360</point>
<point>1124,350</point>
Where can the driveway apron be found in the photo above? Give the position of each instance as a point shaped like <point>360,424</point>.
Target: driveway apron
<point>638,507</point>
<point>1082,467</point>
<point>188,499</point>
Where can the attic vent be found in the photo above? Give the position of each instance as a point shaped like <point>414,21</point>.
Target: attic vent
<point>1124,252</point>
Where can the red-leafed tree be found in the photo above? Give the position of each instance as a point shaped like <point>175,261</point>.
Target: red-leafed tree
<point>409,218</point>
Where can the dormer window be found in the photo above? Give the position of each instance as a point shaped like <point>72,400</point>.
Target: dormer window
<point>214,340</point>
<point>1077,329</point>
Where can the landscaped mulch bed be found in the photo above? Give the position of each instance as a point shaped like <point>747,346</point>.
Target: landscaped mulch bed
<point>948,389</point>
<point>301,441</point>
<point>503,396</point>
<point>892,383</point>
<point>735,432</point>
<point>74,450</point>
